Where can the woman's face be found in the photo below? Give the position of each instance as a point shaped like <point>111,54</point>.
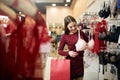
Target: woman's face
<point>72,26</point>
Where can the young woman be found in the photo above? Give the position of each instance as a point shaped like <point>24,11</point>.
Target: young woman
<point>70,38</point>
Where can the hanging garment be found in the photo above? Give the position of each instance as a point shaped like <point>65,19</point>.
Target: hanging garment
<point>7,59</point>
<point>2,51</point>
<point>25,43</point>
<point>99,44</point>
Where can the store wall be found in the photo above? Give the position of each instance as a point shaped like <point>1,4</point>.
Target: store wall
<point>82,6</point>
<point>95,7</point>
<point>79,7</point>
<point>57,14</point>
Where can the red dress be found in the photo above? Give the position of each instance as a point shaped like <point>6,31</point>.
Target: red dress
<point>77,65</point>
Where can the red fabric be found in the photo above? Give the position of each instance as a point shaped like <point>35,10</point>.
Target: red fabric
<point>10,58</point>
<point>77,67</point>
<point>25,42</point>
<point>7,60</point>
<point>11,27</point>
<point>99,44</point>
<point>2,51</point>
<point>23,47</point>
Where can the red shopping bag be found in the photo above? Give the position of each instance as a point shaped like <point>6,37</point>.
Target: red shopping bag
<point>60,69</point>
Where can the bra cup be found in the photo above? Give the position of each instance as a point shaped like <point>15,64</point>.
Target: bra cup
<point>91,44</point>
<point>80,45</point>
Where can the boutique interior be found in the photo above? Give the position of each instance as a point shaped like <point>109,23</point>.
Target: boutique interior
<point>99,64</point>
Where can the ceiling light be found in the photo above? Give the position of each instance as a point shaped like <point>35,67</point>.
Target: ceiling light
<point>48,1</point>
<point>66,4</point>
<point>53,4</point>
<point>68,0</point>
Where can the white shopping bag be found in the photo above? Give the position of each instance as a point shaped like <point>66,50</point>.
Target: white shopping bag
<point>47,68</point>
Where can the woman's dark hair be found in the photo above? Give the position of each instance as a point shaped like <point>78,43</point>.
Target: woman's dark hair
<point>67,20</point>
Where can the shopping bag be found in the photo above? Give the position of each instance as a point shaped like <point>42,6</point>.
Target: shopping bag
<point>60,69</point>
<point>47,68</point>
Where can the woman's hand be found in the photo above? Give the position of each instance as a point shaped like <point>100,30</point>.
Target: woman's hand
<point>72,53</point>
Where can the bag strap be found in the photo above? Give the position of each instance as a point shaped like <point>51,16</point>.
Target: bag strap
<point>79,34</point>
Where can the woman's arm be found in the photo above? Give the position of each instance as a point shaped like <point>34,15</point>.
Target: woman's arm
<point>61,47</point>
<point>61,50</point>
